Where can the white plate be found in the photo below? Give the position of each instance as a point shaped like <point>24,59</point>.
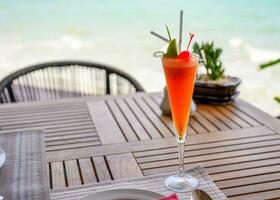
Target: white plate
<point>124,194</point>
<point>2,157</point>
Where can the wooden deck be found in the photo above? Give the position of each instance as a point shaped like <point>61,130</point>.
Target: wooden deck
<point>105,138</point>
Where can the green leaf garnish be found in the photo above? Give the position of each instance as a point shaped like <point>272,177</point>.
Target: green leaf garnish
<point>172,50</point>
<point>168,32</point>
<point>277,99</point>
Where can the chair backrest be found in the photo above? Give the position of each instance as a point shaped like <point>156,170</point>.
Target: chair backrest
<point>62,79</point>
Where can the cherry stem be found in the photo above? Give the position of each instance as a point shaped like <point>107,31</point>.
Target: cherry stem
<point>191,37</point>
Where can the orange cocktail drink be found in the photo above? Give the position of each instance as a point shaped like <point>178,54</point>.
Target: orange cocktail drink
<point>180,77</point>
<point>180,69</point>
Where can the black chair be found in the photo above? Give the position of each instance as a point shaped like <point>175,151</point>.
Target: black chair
<point>56,80</point>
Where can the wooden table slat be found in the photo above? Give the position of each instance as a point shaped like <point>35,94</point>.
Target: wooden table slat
<point>260,116</point>
<point>123,166</point>
<point>154,118</point>
<point>141,117</point>
<point>101,169</point>
<point>247,142</point>
<point>208,152</point>
<point>270,194</point>
<point>245,173</point>
<point>262,160</point>
<point>72,173</point>
<point>157,99</point>
<point>122,121</point>
<point>135,124</point>
<point>220,116</point>
<point>39,118</point>
<point>56,123</point>
<point>252,188</point>
<point>68,129</point>
<point>234,183</point>
<point>71,131</point>
<point>101,117</point>
<point>97,139</point>
<point>164,118</point>
<point>215,121</point>
<point>204,121</point>
<point>201,139</point>
<point>57,172</point>
<point>244,116</point>
<point>73,146</point>
<point>228,164</point>
<point>87,170</point>
<point>50,138</point>
<point>197,126</point>
<point>42,111</point>
<point>72,141</point>
<point>233,117</point>
<point>215,158</point>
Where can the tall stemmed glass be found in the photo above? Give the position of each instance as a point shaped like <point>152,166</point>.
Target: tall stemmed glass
<point>180,76</point>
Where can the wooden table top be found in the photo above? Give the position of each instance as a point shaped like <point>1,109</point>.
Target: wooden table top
<point>114,137</point>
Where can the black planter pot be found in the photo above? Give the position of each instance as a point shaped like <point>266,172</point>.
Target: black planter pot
<point>216,93</point>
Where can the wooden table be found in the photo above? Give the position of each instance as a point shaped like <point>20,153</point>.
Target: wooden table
<point>105,138</point>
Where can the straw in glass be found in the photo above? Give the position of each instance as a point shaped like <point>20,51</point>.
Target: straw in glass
<point>159,36</point>
<point>181,30</point>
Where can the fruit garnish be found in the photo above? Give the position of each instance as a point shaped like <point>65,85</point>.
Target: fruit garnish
<point>186,54</point>
<point>172,50</point>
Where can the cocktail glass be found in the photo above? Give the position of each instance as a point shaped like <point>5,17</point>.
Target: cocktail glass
<point>180,76</point>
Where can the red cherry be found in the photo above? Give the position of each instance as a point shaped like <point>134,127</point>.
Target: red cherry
<point>186,55</point>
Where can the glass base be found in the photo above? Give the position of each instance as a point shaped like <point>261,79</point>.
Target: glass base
<point>181,183</point>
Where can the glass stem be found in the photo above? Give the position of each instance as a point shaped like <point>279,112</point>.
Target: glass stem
<point>181,151</point>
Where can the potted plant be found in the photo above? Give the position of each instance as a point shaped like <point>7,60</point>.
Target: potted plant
<point>212,86</point>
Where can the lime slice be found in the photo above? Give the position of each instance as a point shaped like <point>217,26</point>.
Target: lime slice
<point>172,50</point>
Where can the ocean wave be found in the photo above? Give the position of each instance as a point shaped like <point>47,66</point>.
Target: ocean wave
<point>74,42</point>
<point>236,42</point>
<point>256,55</point>
<point>262,55</point>
<point>65,42</point>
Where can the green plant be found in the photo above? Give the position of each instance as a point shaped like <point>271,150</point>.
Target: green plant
<point>269,64</point>
<point>210,59</point>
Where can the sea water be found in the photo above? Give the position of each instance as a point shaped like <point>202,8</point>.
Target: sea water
<point>117,33</point>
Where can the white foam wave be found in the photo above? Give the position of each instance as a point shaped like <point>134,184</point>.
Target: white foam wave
<point>262,55</point>
<point>256,55</point>
<point>236,42</point>
<point>65,42</point>
<point>74,42</point>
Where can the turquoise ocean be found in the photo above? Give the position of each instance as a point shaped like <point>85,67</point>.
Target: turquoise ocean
<point>117,33</point>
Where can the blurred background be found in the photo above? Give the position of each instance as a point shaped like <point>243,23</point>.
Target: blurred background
<point>117,33</point>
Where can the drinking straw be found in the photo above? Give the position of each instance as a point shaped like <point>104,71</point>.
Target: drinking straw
<point>181,30</point>
<point>159,36</point>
